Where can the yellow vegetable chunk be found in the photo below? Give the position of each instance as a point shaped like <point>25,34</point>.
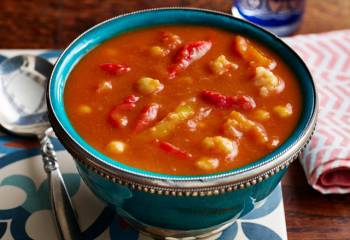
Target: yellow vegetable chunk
<point>184,111</point>
<point>157,51</point>
<point>147,85</point>
<point>261,115</point>
<point>220,145</point>
<point>252,54</point>
<point>259,134</point>
<point>267,81</point>
<point>221,65</point>
<point>230,129</point>
<point>116,147</point>
<point>207,163</point>
<point>283,111</point>
<point>84,109</point>
<point>237,122</point>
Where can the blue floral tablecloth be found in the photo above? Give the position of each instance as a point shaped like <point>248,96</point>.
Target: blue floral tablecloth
<point>25,208</point>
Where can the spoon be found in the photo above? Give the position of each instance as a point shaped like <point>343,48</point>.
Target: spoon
<point>23,112</point>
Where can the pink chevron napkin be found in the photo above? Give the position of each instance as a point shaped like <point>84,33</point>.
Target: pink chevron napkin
<point>326,160</point>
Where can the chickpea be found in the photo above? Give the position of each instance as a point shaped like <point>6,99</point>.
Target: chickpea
<point>84,109</point>
<point>283,111</point>
<point>207,164</point>
<point>116,147</point>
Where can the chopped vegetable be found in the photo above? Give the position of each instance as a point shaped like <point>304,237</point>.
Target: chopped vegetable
<point>147,116</point>
<point>104,86</point>
<point>240,123</point>
<point>115,69</point>
<point>84,109</point>
<point>239,102</point>
<point>173,150</point>
<point>207,164</point>
<point>170,40</point>
<point>252,54</point>
<point>163,128</point>
<point>187,55</point>
<point>273,143</point>
<point>230,129</point>
<point>157,51</point>
<point>116,147</point>
<point>128,103</point>
<point>194,122</point>
<point>221,65</point>
<point>118,119</point>
<point>258,132</point>
<point>147,85</point>
<point>283,111</point>
<point>261,115</point>
<point>221,145</point>
<point>267,81</point>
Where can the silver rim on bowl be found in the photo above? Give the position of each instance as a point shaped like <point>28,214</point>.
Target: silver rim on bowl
<point>206,186</point>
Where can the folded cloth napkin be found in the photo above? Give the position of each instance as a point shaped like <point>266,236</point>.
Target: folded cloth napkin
<point>326,160</point>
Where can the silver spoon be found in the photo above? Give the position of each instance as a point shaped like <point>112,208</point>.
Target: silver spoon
<point>23,112</point>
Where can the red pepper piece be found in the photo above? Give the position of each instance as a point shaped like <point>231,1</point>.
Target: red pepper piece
<point>115,69</point>
<point>187,55</point>
<point>115,115</point>
<point>148,114</point>
<point>128,103</point>
<point>239,102</point>
<point>171,149</point>
<point>118,120</point>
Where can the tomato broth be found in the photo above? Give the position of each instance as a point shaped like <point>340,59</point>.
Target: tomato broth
<point>183,100</point>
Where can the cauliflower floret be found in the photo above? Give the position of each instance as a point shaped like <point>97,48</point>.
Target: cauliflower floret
<point>170,40</point>
<point>221,65</point>
<point>147,85</point>
<point>207,163</point>
<point>230,129</point>
<point>267,81</point>
<point>283,111</point>
<point>220,145</point>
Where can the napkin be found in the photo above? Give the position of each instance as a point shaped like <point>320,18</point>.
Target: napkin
<point>326,160</point>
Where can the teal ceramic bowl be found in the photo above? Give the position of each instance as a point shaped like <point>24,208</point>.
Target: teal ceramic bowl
<point>178,206</point>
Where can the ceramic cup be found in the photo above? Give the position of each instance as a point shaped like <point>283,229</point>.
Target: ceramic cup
<point>168,206</point>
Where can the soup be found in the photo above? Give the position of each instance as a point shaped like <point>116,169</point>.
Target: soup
<point>183,100</point>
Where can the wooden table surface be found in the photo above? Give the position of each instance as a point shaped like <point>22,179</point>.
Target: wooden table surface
<point>55,23</point>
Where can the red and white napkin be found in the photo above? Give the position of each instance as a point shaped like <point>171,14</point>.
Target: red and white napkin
<point>326,160</point>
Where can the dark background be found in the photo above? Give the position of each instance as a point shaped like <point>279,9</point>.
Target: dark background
<point>55,23</point>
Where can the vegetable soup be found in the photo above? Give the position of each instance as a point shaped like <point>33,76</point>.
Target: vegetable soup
<point>183,100</point>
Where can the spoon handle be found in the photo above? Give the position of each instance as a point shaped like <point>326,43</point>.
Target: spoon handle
<point>64,215</point>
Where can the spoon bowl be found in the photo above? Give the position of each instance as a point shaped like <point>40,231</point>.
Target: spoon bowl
<point>22,95</point>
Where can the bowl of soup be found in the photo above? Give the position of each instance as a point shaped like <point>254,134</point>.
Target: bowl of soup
<point>181,119</point>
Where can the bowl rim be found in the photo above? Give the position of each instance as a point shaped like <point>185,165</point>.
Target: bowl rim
<point>208,184</point>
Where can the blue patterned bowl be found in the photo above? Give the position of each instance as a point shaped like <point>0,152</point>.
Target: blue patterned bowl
<point>167,205</point>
